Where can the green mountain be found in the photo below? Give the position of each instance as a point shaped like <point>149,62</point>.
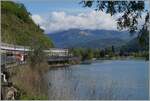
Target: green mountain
<point>17,27</point>
<point>76,38</point>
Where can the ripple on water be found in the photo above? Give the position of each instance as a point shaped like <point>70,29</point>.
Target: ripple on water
<point>110,79</point>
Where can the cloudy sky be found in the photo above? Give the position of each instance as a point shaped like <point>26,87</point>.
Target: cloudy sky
<point>56,15</point>
<point>64,21</point>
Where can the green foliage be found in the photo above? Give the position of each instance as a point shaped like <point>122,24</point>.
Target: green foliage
<point>15,8</point>
<point>102,53</point>
<point>77,52</point>
<point>84,54</point>
<point>18,27</point>
<point>25,97</point>
<point>113,7</point>
<point>36,56</point>
<point>144,33</point>
<point>29,83</point>
<point>96,53</point>
<point>110,52</point>
<point>88,54</point>
<point>144,54</point>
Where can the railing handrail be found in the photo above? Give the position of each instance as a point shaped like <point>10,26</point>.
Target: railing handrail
<point>6,46</point>
<point>12,45</point>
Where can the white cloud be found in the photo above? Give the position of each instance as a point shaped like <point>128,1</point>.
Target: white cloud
<point>62,21</point>
<point>91,20</point>
<point>37,19</point>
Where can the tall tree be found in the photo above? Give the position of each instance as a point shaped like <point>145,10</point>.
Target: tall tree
<point>113,49</point>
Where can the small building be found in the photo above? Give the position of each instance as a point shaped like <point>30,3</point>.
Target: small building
<point>57,52</point>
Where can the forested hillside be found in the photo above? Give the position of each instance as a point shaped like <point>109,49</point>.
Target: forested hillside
<point>18,27</point>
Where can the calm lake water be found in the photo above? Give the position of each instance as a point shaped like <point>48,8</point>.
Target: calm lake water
<point>107,79</point>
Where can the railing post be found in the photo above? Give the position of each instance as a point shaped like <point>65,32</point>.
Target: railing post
<point>5,60</point>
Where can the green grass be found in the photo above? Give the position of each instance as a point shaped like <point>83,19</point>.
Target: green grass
<point>18,27</point>
<point>29,82</point>
<point>25,97</point>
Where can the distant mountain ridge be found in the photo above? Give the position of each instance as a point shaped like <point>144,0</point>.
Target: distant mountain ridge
<point>74,38</point>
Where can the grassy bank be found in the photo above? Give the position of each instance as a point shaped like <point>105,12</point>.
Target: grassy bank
<point>30,82</point>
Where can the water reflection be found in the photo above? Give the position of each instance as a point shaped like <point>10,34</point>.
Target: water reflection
<point>115,80</point>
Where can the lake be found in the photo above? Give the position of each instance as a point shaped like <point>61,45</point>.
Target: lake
<point>103,79</point>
